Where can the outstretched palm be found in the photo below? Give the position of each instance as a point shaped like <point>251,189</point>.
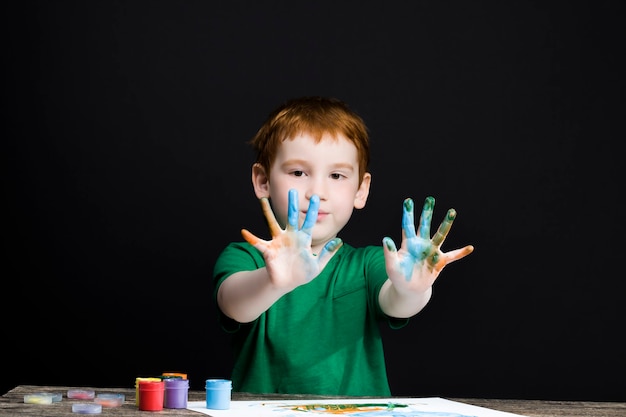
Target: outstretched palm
<point>289,259</point>
<point>419,261</point>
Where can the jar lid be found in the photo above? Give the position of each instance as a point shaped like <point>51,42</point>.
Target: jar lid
<point>152,379</point>
<point>176,383</point>
<point>151,385</point>
<point>174,374</point>
<point>39,398</point>
<point>81,394</point>
<point>86,408</point>
<point>109,400</point>
<point>218,383</point>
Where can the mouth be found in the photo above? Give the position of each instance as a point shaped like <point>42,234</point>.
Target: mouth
<point>320,215</point>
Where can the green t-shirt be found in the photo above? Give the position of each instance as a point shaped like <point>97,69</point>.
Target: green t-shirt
<point>322,338</point>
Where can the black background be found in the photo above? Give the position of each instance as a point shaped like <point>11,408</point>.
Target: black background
<point>127,172</point>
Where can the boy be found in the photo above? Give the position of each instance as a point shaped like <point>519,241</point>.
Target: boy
<point>303,307</point>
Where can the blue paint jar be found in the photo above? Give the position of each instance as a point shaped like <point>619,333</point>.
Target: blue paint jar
<point>218,393</point>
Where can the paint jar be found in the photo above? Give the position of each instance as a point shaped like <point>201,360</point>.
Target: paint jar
<point>151,395</point>
<point>176,391</point>
<point>41,398</point>
<point>139,379</point>
<point>81,394</point>
<point>110,400</point>
<point>179,375</point>
<point>218,393</point>
<point>86,408</point>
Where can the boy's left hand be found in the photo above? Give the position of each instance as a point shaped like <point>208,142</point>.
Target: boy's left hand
<point>417,264</point>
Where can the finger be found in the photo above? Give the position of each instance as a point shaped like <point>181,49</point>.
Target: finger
<point>311,214</point>
<point>328,249</point>
<point>408,219</point>
<point>392,260</point>
<point>250,238</point>
<point>457,254</point>
<point>293,213</point>
<point>444,228</point>
<point>425,218</point>
<point>389,245</point>
<point>275,229</point>
<point>390,251</point>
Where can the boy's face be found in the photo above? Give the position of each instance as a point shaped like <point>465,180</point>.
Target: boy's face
<point>328,169</point>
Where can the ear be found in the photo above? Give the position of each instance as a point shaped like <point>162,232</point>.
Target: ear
<point>363,192</point>
<point>260,181</point>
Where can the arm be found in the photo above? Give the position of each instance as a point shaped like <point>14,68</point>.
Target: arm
<point>413,269</point>
<point>289,261</point>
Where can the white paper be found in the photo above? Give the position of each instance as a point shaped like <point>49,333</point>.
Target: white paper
<point>378,407</point>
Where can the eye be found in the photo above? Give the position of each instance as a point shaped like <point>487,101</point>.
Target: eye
<point>336,176</point>
<point>298,173</point>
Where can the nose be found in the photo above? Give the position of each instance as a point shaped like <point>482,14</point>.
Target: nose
<point>317,187</point>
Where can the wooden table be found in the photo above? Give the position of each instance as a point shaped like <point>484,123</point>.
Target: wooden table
<point>12,404</point>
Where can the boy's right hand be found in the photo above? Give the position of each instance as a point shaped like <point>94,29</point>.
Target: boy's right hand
<point>289,259</point>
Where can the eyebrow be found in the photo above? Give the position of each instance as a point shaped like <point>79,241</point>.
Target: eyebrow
<point>344,165</point>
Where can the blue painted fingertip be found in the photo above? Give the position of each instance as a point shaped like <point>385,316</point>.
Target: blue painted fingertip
<point>333,244</point>
<point>389,244</point>
<point>292,209</point>
<point>311,214</point>
<point>408,220</point>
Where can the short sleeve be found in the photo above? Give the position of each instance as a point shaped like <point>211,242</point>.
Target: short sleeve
<point>238,256</point>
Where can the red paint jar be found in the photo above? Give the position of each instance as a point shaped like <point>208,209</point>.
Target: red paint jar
<point>151,395</point>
